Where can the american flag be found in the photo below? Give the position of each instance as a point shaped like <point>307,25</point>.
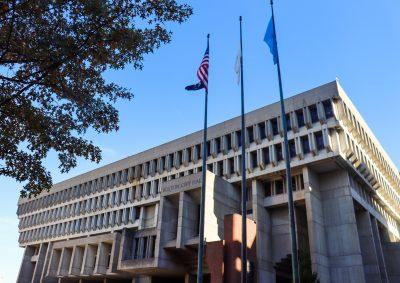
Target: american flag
<point>202,73</point>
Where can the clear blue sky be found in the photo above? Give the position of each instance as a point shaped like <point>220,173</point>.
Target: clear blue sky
<point>357,41</point>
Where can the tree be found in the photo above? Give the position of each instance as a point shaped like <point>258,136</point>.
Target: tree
<point>53,55</point>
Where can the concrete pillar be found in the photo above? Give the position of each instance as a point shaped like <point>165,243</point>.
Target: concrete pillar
<point>77,259</point>
<point>63,268</point>
<point>27,266</point>
<point>40,263</point>
<point>265,268</point>
<point>379,251</point>
<point>115,251</point>
<point>46,264</point>
<point>367,244</point>
<point>343,245</point>
<point>89,260</point>
<point>187,219</point>
<point>316,226</point>
<point>54,262</point>
<point>103,254</point>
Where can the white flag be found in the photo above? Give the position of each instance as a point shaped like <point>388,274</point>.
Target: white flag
<point>237,66</point>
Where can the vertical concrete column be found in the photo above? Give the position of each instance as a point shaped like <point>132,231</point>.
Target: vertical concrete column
<point>103,253</point>
<point>89,260</point>
<point>46,265</point>
<point>115,252</point>
<point>27,266</point>
<point>37,274</point>
<point>316,226</point>
<point>54,262</point>
<point>343,244</point>
<point>187,219</point>
<point>63,268</point>
<point>265,268</point>
<point>77,259</point>
<point>367,244</point>
<point>379,250</point>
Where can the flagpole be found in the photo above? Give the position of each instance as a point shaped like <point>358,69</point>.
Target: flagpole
<point>244,191</point>
<point>295,265</point>
<point>200,252</point>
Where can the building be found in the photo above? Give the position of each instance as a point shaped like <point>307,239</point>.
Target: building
<point>136,220</point>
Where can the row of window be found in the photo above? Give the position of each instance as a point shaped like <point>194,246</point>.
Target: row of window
<point>278,186</point>
<point>82,225</point>
<point>113,199</point>
<point>143,247</point>
<point>225,168</point>
<point>369,170</point>
<point>256,133</point>
<point>367,142</point>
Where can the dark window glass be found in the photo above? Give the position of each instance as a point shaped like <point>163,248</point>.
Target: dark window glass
<point>279,153</point>
<point>319,140</point>
<point>229,142</point>
<point>210,167</point>
<point>250,134</point>
<point>305,144</point>
<point>328,108</point>
<point>288,124</point>
<point>218,144</point>
<point>279,187</point>
<point>189,154</point>
<point>239,138</point>
<point>262,130</point>
<point>313,113</point>
<point>208,148</point>
<point>292,148</point>
<point>293,183</point>
<point>220,168</point>
<point>274,123</point>
<point>265,152</point>
<point>231,165</point>
<point>268,189</point>
<point>253,156</point>
<point>300,117</point>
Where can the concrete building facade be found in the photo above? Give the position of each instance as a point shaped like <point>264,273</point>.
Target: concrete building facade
<point>136,220</point>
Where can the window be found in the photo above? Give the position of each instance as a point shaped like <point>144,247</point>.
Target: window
<point>220,168</point>
<point>228,142</point>
<point>189,154</point>
<point>210,167</point>
<point>231,165</point>
<point>265,153</point>
<point>327,104</point>
<point>261,126</point>
<point>239,138</point>
<point>208,148</point>
<point>313,113</point>
<point>292,149</point>
<point>253,157</point>
<point>250,134</point>
<point>274,123</point>
<point>279,187</point>
<point>279,153</point>
<point>288,124</point>
<point>319,140</point>
<point>305,144</point>
<point>218,145</point>
<point>268,189</point>
<point>300,117</point>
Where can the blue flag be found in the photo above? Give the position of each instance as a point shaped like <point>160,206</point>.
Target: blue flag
<point>270,39</point>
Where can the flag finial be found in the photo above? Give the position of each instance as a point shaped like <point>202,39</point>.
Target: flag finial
<point>240,18</point>
<point>272,2</point>
<point>208,36</point>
